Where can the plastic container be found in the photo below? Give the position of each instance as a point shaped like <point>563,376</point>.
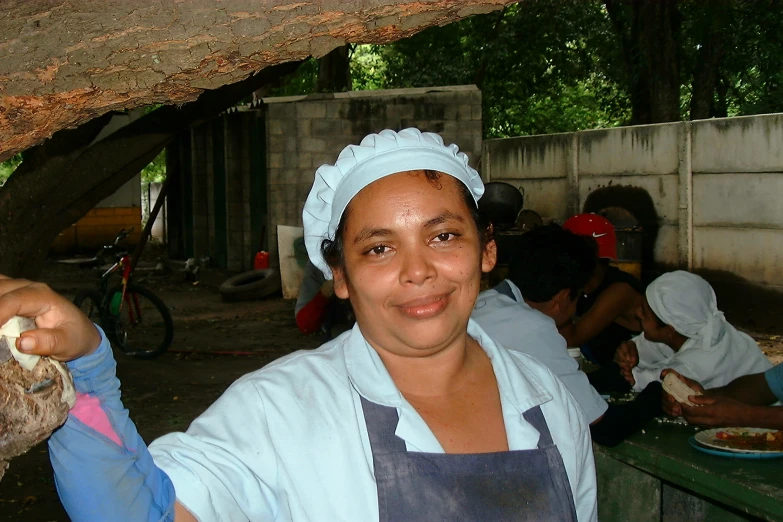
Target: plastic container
<point>576,353</point>
<point>261,261</point>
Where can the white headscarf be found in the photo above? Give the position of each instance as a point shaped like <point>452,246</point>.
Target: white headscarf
<point>716,352</point>
<point>687,302</point>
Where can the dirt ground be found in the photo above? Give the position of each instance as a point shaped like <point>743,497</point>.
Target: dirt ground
<point>214,344</point>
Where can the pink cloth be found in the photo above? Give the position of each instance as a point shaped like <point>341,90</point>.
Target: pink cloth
<point>89,412</point>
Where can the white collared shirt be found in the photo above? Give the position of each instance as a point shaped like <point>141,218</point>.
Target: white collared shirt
<point>512,323</point>
<point>289,441</point>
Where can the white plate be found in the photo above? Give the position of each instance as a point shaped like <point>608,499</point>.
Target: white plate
<point>707,438</point>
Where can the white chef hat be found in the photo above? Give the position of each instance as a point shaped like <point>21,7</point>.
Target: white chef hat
<point>378,155</point>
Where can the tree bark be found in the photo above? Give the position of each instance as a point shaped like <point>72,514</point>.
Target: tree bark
<point>334,71</point>
<point>68,61</point>
<point>649,33</point>
<point>707,74</point>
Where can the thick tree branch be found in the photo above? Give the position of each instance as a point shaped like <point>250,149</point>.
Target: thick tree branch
<point>66,62</point>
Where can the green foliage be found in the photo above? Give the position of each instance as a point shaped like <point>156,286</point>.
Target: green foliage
<point>155,172</point>
<point>303,81</point>
<point>541,65</point>
<point>8,167</point>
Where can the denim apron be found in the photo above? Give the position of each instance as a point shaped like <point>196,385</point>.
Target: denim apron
<point>520,485</point>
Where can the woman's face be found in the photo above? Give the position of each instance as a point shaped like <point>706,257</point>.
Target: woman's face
<point>413,263</point>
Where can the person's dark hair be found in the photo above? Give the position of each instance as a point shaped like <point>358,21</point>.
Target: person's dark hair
<point>549,259</point>
<point>334,250</point>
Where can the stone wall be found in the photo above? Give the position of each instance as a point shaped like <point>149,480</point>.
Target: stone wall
<point>305,132</point>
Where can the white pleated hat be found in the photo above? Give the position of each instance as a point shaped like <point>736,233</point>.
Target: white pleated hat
<point>377,156</point>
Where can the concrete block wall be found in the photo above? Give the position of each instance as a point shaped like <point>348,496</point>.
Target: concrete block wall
<point>737,170</point>
<point>305,132</point>
<point>714,186</point>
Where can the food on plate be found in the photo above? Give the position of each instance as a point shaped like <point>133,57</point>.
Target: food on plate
<point>750,440</point>
<point>678,389</point>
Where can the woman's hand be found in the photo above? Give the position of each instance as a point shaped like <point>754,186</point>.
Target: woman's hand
<point>64,333</point>
<point>716,412</point>
<point>669,404</point>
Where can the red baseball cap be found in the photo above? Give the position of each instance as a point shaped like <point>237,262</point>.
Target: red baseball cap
<point>597,227</point>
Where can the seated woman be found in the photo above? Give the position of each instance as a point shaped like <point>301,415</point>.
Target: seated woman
<point>606,313</point>
<point>684,331</point>
<point>415,414</point>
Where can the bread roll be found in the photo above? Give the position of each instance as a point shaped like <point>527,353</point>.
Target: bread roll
<point>678,389</point>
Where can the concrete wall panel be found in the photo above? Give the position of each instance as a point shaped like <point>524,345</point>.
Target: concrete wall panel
<point>528,157</point>
<point>544,196</point>
<point>738,200</point>
<point>662,190</point>
<point>747,144</point>
<point>753,254</point>
<point>646,149</point>
<point>666,249</point>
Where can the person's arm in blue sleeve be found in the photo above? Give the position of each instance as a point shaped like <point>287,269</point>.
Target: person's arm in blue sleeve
<point>103,470</point>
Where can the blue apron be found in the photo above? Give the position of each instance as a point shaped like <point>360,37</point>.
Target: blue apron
<point>520,485</point>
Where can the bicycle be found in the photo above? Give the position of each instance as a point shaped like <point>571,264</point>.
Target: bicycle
<point>134,319</point>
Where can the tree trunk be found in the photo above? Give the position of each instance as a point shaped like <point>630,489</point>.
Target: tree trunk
<point>707,76</point>
<point>334,71</point>
<point>649,33</point>
<point>67,61</point>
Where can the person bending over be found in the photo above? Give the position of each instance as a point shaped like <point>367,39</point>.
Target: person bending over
<point>606,313</point>
<point>685,331</point>
<point>546,275</point>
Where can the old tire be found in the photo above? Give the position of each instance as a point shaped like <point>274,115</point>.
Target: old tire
<point>248,286</point>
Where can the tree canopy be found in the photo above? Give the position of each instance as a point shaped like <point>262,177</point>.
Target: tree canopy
<point>546,67</point>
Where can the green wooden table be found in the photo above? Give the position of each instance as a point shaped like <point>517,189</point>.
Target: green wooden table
<point>658,476</point>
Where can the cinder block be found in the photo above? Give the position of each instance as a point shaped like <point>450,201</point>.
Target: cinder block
<point>275,160</point>
<point>303,128</point>
<point>291,143</point>
<point>274,127</point>
<point>312,145</point>
<point>274,175</point>
<point>311,110</point>
<point>276,143</point>
<point>290,160</point>
<point>305,160</point>
<point>326,127</point>
<point>336,110</point>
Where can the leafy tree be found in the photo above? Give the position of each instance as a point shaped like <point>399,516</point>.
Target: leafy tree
<point>542,66</point>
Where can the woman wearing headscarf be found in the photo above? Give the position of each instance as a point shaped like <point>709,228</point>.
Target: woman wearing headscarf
<point>414,414</point>
<point>685,331</point>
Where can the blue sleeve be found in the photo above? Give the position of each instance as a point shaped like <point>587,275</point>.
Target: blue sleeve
<point>107,475</point>
<point>774,378</point>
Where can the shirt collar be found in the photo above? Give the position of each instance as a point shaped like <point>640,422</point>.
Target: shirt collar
<point>371,379</point>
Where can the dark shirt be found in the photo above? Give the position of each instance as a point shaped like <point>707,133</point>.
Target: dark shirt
<point>601,348</point>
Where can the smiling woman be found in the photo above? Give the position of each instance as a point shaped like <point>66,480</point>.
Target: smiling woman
<point>415,414</point>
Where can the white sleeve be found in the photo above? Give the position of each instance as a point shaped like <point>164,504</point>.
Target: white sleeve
<point>553,353</point>
<point>585,490</point>
<point>224,466</point>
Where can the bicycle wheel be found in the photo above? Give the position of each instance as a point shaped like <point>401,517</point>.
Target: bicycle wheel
<point>143,325</point>
<point>89,302</point>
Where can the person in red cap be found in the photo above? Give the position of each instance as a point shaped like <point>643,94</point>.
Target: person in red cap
<point>606,313</point>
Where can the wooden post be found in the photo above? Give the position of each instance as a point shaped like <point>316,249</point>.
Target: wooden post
<point>150,221</point>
